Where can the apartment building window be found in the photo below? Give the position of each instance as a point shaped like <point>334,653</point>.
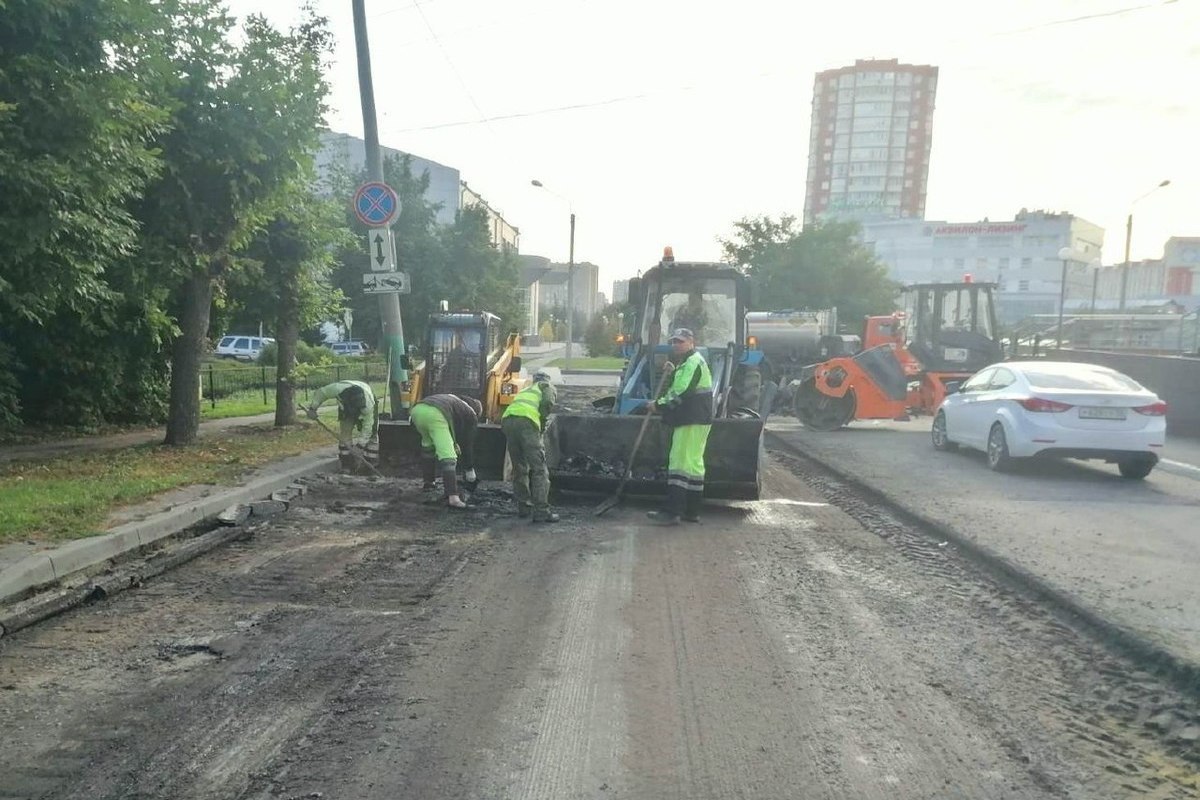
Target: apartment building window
<point>1023,286</point>
<point>981,264</point>
<point>1004,263</point>
<point>1026,263</point>
<point>959,263</point>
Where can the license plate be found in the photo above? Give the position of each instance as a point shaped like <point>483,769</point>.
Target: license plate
<point>955,353</point>
<point>1101,413</point>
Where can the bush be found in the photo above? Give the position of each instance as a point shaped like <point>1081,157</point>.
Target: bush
<point>317,355</point>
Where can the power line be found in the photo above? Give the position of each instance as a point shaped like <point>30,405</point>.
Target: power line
<point>1084,18</point>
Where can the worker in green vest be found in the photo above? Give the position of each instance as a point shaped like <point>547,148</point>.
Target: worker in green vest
<point>356,411</point>
<point>523,423</point>
<point>686,406</point>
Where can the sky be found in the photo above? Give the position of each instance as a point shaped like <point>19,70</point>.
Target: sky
<point>663,122</point>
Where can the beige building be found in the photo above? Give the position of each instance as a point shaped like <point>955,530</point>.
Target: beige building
<point>505,235</point>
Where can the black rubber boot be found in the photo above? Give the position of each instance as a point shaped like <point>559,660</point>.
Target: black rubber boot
<point>673,509</point>
<point>524,509</point>
<point>450,484</point>
<point>428,472</point>
<point>546,516</point>
<point>691,510</point>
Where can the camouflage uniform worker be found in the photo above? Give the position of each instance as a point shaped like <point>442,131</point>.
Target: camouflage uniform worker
<point>686,406</point>
<point>356,409</point>
<point>447,426</point>
<point>523,423</point>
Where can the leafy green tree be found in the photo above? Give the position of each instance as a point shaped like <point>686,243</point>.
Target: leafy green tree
<point>820,266</point>
<point>602,331</point>
<point>244,116</point>
<point>288,281</point>
<point>76,130</point>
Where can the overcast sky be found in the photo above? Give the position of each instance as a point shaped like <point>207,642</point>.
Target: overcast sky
<point>665,121</point>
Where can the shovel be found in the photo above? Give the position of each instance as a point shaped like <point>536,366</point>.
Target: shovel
<point>615,500</point>
<point>353,449</point>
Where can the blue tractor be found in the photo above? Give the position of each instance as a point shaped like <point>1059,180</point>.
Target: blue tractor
<point>589,451</point>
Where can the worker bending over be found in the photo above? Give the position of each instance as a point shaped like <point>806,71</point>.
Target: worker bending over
<point>447,426</point>
<point>686,406</point>
<point>356,411</point>
<point>523,424</point>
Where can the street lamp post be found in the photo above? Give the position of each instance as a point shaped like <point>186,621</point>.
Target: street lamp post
<point>570,270</point>
<point>1095,265</point>
<point>1128,237</point>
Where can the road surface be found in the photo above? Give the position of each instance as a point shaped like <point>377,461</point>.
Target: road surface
<point>365,645</point>
<point>1129,549</point>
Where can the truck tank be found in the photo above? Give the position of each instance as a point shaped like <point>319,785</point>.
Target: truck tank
<point>791,337</point>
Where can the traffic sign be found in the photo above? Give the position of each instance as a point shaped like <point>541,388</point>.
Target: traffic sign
<point>386,283</point>
<point>376,204</point>
<point>383,249</point>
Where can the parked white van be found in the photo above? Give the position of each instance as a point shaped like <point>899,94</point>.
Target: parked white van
<point>243,348</point>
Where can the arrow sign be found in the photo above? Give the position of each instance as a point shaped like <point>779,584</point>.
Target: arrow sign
<point>386,283</point>
<point>382,249</point>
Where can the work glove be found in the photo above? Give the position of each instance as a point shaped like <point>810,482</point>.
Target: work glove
<point>311,412</point>
<point>457,449</point>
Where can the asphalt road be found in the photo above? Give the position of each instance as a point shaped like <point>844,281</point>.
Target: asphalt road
<point>1128,549</point>
<point>365,645</point>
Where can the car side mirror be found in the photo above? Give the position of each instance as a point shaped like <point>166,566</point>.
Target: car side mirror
<point>515,364</point>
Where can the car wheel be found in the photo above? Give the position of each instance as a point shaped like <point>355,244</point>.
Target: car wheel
<point>998,458</point>
<point>1135,469</point>
<point>938,433</point>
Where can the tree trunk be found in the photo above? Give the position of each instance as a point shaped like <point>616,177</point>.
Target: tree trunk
<point>183,414</point>
<point>287,333</point>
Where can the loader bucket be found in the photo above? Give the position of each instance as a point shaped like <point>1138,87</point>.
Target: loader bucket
<point>588,453</point>
<point>400,450</point>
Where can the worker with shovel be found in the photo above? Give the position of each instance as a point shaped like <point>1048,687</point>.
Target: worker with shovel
<point>686,406</point>
<point>523,423</point>
<point>447,424</point>
<point>356,411</point>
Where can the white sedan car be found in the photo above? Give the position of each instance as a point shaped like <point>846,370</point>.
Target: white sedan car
<point>1021,409</point>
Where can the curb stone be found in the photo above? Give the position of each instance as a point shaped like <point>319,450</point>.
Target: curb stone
<point>45,568</point>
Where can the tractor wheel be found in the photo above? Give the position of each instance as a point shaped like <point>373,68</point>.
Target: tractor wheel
<point>820,411</point>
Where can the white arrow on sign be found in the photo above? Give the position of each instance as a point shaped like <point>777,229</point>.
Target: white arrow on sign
<point>382,249</point>
<point>386,283</point>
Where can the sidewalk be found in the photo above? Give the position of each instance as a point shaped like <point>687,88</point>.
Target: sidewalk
<point>91,444</point>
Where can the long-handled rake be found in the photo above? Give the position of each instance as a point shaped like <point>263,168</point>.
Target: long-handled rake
<point>354,450</point>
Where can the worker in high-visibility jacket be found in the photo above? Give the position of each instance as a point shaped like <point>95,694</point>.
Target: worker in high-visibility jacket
<point>356,411</point>
<point>447,424</point>
<point>523,423</point>
<point>686,406</point>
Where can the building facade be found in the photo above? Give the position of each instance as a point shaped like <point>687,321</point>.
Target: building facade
<point>1174,277</point>
<point>1019,255</point>
<point>504,235</point>
<point>620,292</point>
<point>585,289</point>
<point>870,140</point>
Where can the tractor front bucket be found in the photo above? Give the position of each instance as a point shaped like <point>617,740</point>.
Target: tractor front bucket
<point>589,453</point>
<point>400,450</point>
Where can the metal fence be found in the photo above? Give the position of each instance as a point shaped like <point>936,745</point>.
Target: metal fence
<point>219,383</point>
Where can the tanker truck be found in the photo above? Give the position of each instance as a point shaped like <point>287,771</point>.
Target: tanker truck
<point>791,340</point>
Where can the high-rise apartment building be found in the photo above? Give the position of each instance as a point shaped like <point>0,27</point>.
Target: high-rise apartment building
<point>872,128</point>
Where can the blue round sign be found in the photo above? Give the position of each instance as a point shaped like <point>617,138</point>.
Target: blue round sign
<point>376,205</point>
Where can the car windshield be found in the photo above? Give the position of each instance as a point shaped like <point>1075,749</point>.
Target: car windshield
<point>1082,378</point>
<point>227,341</point>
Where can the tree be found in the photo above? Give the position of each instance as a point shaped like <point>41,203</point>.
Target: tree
<point>243,126</point>
<point>75,147</point>
<point>601,335</point>
<point>287,280</point>
<point>821,266</point>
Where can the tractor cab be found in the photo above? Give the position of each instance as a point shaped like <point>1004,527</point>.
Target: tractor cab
<point>709,299</point>
<point>460,349</point>
<point>952,326</point>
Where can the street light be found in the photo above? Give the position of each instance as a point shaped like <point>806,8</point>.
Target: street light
<point>570,269</point>
<point>1067,254</point>
<point>1128,236</point>
<point>1095,265</point>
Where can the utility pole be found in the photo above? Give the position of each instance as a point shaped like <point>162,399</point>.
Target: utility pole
<point>1125,265</point>
<point>571,291</point>
<point>389,304</point>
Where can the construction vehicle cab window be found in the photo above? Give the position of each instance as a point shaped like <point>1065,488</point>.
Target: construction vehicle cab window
<point>708,308</point>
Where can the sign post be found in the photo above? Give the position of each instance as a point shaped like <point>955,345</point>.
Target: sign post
<point>377,206</point>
